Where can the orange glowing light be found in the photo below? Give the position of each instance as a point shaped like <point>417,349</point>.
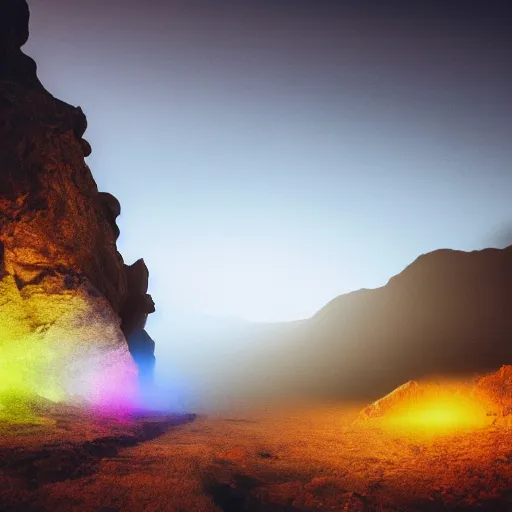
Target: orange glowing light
<point>438,411</point>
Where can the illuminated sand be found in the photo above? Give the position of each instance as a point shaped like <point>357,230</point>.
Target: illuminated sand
<point>431,408</point>
<point>288,458</point>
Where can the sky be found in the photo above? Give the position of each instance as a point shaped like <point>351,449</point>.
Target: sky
<point>271,155</point>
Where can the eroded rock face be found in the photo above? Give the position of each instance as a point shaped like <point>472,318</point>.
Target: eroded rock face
<point>53,220</point>
<point>63,284</point>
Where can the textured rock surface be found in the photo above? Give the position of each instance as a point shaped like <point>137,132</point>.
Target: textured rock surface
<point>63,283</point>
<point>408,392</point>
<point>62,344</point>
<point>496,390</point>
<point>53,221</point>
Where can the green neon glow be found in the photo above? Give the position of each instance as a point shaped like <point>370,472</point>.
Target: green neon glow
<point>24,376</point>
<point>59,347</point>
<point>29,367</point>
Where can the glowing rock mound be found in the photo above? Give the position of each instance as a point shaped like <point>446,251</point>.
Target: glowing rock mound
<point>428,409</point>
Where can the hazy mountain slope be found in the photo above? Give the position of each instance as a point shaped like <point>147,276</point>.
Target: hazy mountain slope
<point>448,313</point>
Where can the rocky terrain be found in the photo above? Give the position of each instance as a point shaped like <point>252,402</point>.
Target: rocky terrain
<point>273,456</point>
<point>276,457</point>
<point>61,443</point>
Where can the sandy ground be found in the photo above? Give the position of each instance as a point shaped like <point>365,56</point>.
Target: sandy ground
<point>272,458</point>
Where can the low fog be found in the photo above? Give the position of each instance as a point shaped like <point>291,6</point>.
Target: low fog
<point>444,315</point>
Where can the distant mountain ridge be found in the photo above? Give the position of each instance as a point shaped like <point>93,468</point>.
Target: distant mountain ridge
<point>448,313</point>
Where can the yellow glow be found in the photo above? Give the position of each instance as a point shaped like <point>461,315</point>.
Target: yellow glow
<point>56,346</point>
<point>438,412</point>
<point>29,362</point>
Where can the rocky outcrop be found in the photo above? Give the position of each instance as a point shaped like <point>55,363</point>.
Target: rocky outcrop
<point>59,264</point>
<point>137,307</point>
<point>53,220</point>
<point>138,304</point>
<point>483,401</point>
<point>495,390</point>
<point>409,392</point>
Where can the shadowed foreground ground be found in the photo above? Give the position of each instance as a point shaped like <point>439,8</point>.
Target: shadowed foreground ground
<point>302,458</point>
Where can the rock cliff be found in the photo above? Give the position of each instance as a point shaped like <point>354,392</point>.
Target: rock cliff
<point>64,288</point>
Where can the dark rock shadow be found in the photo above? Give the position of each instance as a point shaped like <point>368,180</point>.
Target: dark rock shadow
<point>70,460</point>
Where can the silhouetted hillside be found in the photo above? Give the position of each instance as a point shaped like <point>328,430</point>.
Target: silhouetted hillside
<point>449,312</point>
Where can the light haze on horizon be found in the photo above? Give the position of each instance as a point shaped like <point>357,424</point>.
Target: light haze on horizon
<point>269,156</point>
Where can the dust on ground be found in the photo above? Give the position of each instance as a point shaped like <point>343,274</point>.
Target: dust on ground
<point>282,459</point>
